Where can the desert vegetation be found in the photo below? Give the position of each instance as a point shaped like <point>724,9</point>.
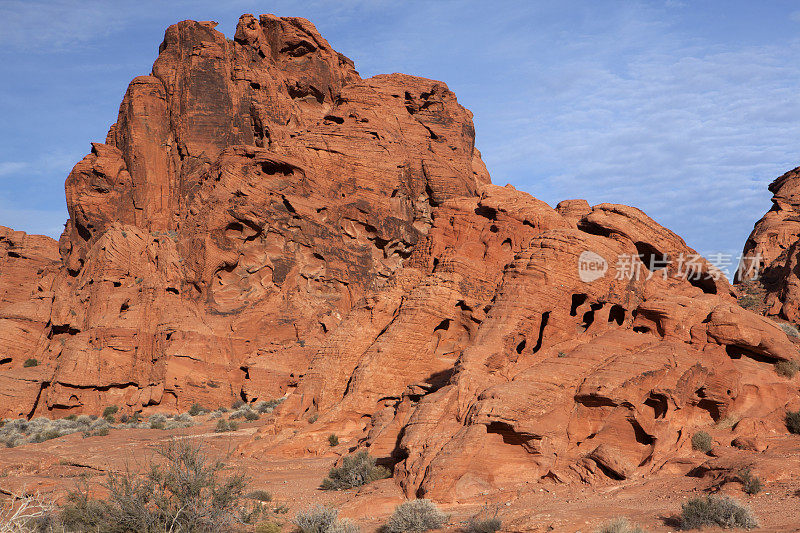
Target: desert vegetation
<point>415,516</point>
<point>701,441</point>
<point>793,422</point>
<point>719,511</point>
<point>620,525</point>
<point>356,470</point>
<point>322,519</point>
<point>182,490</point>
<point>787,368</point>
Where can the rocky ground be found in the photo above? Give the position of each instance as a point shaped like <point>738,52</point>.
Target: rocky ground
<point>56,466</point>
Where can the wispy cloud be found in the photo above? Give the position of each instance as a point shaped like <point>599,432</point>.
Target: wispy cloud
<point>11,167</point>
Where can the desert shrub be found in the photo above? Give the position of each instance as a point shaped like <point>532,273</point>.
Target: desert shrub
<point>110,411</point>
<point>313,418</point>
<point>30,362</point>
<point>102,432</point>
<point>71,417</point>
<point>483,525</point>
<point>321,519</point>
<point>251,415</point>
<point>723,512</point>
<point>751,484</point>
<point>225,425</point>
<point>23,513</point>
<point>793,422</point>
<point>790,330</point>
<point>619,525</point>
<point>787,368</point>
<point>701,441</point>
<point>197,409</point>
<point>158,421</point>
<point>260,495</point>
<point>185,492</point>
<point>415,516</point>
<point>268,527</point>
<point>268,405</point>
<point>215,414</point>
<point>183,420</point>
<point>356,470</point>
<point>333,440</point>
<point>237,404</point>
<point>244,412</point>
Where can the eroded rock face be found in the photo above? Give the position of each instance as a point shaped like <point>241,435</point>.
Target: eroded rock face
<point>262,222</point>
<point>771,251</point>
<point>249,194</point>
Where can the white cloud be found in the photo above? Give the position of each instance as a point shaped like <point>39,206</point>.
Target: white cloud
<point>11,167</point>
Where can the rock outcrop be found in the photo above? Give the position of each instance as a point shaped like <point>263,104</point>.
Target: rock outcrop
<point>262,222</point>
<point>770,269</point>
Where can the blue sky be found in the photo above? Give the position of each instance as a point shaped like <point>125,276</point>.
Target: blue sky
<point>686,110</point>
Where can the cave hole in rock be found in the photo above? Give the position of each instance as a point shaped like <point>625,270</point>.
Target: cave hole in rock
<point>651,257</point>
<point>593,229</point>
<point>507,432</point>
<point>712,407</point>
<point>641,329</point>
<point>461,304</point>
<point>493,228</point>
<point>5,361</point>
<point>703,282</point>
<point>14,255</point>
<point>521,346</point>
<point>117,284</point>
<point>577,301</point>
<point>658,403</point>
<point>172,290</point>
<point>444,325</point>
<point>124,307</point>
<point>235,227</point>
<point>246,371</point>
<point>542,325</point>
<point>486,212</point>
<point>588,316</point>
<point>736,352</point>
<point>642,437</point>
<point>333,118</point>
<point>274,167</point>
<point>617,314</point>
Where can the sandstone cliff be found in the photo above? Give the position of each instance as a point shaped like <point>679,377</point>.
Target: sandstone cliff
<point>262,222</point>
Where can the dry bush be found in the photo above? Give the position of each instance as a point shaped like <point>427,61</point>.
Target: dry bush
<point>321,519</point>
<point>751,484</point>
<point>620,525</point>
<point>22,513</point>
<point>267,406</point>
<point>415,516</point>
<point>723,512</point>
<point>185,491</point>
<point>787,368</point>
<point>197,409</point>
<point>790,330</point>
<point>701,441</point>
<point>793,422</point>
<point>225,425</point>
<point>356,470</point>
<point>333,440</point>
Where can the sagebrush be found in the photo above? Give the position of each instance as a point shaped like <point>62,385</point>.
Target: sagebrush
<point>620,525</point>
<point>717,511</point>
<point>322,519</point>
<point>415,516</point>
<point>356,470</point>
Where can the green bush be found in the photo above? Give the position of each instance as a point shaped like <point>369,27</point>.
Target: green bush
<point>110,411</point>
<point>415,516</point>
<point>158,421</point>
<point>237,404</point>
<point>313,418</point>
<point>787,368</point>
<point>187,493</point>
<point>620,525</point>
<point>197,409</point>
<point>333,440</point>
<point>30,362</point>
<point>751,484</point>
<point>723,512</point>
<point>356,470</point>
<point>268,527</point>
<point>251,415</point>
<point>701,441</point>
<point>267,406</point>
<point>321,519</point>
<point>793,422</point>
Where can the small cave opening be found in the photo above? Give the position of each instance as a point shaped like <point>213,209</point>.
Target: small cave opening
<point>651,257</point>
<point>461,304</point>
<point>617,314</point>
<point>288,205</point>
<point>124,307</point>
<point>5,360</point>
<point>521,346</point>
<point>493,228</point>
<point>712,407</point>
<point>658,403</point>
<point>542,325</point>
<point>486,212</point>
<point>507,432</point>
<point>703,282</point>
<point>641,329</point>
<point>577,301</point>
<point>333,118</point>
<point>14,254</point>
<point>642,437</point>
<point>444,325</point>
<point>172,290</point>
<point>593,229</point>
<point>588,316</point>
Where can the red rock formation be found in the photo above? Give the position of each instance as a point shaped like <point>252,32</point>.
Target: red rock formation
<point>262,221</point>
<point>771,252</point>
